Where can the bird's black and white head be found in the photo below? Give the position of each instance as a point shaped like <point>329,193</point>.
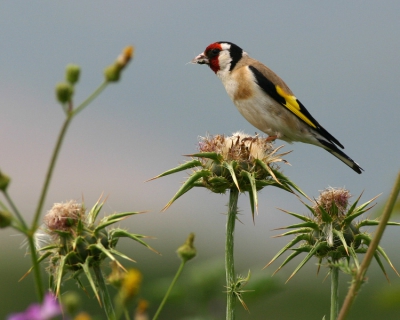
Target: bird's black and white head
<point>220,56</point>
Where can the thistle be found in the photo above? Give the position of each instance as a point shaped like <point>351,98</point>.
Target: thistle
<point>74,244</point>
<point>242,162</point>
<point>238,164</point>
<point>331,234</point>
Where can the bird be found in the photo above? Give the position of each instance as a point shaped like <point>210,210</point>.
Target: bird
<point>266,101</point>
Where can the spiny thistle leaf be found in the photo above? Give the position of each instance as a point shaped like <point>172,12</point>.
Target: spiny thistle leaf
<point>378,260</point>
<point>296,231</point>
<point>340,235</point>
<point>119,233</point>
<point>316,247</point>
<point>287,260</point>
<point>113,251</point>
<point>231,170</point>
<point>299,216</point>
<point>289,245</point>
<point>187,186</point>
<point>187,165</point>
<point>252,191</point>
<point>286,180</point>
<point>86,270</point>
<point>217,158</point>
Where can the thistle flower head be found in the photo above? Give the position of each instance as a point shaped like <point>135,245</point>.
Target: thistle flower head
<point>64,216</point>
<point>73,242</point>
<point>331,233</point>
<point>247,163</point>
<point>334,201</point>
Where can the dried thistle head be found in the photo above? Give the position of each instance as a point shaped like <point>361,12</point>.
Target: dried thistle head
<point>333,200</point>
<point>240,161</point>
<point>64,216</point>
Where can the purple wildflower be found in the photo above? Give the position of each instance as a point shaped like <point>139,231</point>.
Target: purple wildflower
<point>45,311</point>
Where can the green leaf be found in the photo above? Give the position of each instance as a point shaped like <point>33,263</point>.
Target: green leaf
<point>252,191</point>
<point>188,184</point>
<point>309,224</point>
<point>119,233</point>
<point>107,252</point>
<point>111,219</point>
<point>325,215</point>
<point>381,265</point>
<point>296,231</point>
<point>286,180</point>
<point>93,213</point>
<point>375,223</point>
<point>113,251</point>
<point>299,216</point>
<point>187,165</point>
<point>354,255</point>
<point>217,158</point>
<point>231,170</point>
<point>287,260</point>
<point>289,245</point>
<point>316,247</point>
<point>86,270</point>
<point>339,234</point>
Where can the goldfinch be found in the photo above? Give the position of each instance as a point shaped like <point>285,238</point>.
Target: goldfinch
<point>266,101</point>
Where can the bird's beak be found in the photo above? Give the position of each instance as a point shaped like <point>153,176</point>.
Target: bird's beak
<point>201,59</point>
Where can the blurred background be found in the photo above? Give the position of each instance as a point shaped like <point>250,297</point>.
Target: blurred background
<point>340,58</point>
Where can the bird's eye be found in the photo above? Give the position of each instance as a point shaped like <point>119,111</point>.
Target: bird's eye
<point>213,53</point>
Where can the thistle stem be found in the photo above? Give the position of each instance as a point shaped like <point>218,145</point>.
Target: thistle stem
<point>15,209</point>
<point>50,171</point>
<point>353,291</point>
<point>229,258</point>
<point>334,292</point>
<point>104,294</point>
<point>178,273</point>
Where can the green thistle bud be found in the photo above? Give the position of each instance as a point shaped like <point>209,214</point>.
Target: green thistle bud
<point>5,219</point>
<point>187,251</point>
<point>112,73</point>
<point>64,92</point>
<point>4,181</point>
<point>72,73</point>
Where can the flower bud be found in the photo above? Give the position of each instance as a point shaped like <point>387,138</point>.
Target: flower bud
<point>71,302</point>
<point>5,219</point>
<point>113,72</point>
<point>72,73</point>
<point>4,181</point>
<point>64,92</point>
<point>187,251</point>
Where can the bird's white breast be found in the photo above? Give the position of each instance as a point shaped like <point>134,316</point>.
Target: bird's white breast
<point>262,111</point>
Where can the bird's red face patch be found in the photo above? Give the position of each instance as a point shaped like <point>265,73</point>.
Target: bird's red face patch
<point>212,53</point>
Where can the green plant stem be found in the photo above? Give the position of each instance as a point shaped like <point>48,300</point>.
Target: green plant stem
<point>334,292</point>
<point>36,270</point>
<point>229,257</point>
<point>15,210</point>
<point>104,294</point>
<point>353,291</point>
<point>50,171</point>
<point>89,99</point>
<point>178,273</point>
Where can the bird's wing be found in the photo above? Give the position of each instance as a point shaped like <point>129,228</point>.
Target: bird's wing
<point>289,101</point>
